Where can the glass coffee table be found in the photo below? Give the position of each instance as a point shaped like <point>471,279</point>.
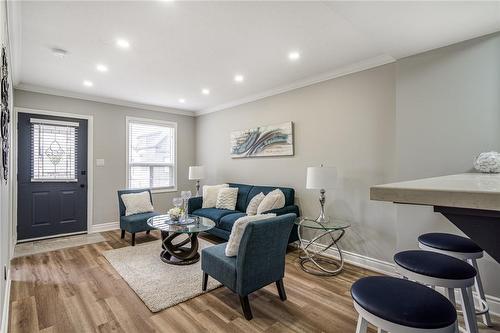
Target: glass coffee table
<point>178,253</point>
<point>329,233</point>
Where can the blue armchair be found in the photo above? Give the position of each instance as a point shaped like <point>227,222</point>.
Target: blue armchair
<point>260,260</point>
<point>136,222</point>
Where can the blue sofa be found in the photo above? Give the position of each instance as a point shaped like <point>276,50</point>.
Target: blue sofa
<point>224,218</point>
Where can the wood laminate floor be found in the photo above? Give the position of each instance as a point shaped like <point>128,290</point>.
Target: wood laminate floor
<point>77,290</point>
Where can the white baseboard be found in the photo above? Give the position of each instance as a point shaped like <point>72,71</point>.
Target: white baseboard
<point>6,305</point>
<point>104,227</point>
<point>387,268</point>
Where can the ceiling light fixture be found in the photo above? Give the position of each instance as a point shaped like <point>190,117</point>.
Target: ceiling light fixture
<point>182,100</point>
<point>87,83</point>
<point>122,43</point>
<point>294,55</point>
<point>60,53</point>
<point>239,78</point>
<point>101,68</point>
<point>205,91</point>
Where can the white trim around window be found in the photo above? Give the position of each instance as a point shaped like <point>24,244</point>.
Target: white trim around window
<point>147,121</point>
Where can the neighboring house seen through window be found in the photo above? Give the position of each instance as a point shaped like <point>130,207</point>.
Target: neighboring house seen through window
<point>151,147</point>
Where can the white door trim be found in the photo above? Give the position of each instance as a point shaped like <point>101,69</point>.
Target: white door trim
<point>90,164</point>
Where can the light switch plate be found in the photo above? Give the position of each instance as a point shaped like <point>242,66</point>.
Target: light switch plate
<point>99,162</point>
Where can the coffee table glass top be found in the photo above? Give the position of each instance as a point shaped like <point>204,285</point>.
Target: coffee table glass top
<point>332,224</point>
<point>195,224</point>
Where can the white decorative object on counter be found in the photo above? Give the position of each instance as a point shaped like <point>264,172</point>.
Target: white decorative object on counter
<point>488,162</point>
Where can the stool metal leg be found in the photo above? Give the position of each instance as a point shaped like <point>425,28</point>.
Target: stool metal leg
<point>478,286</point>
<point>450,294</point>
<point>362,325</point>
<point>468,310</point>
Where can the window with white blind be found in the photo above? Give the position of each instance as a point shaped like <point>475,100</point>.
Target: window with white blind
<point>151,154</point>
<point>54,150</point>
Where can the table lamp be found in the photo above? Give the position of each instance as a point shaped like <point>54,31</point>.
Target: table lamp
<point>321,178</point>
<point>196,173</point>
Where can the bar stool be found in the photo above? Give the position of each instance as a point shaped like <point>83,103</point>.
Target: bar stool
<point>462,248</point>
<point>440,270</point>
<point>397,305</point>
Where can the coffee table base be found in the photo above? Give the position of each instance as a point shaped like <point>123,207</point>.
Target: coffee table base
<point>178,254</point>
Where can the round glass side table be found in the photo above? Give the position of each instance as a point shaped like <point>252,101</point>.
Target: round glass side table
<point>329,233</point>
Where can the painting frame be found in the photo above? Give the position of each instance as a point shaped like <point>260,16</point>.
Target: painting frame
<point>274,140</point>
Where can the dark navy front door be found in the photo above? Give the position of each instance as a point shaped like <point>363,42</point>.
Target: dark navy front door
<point>52,176</point>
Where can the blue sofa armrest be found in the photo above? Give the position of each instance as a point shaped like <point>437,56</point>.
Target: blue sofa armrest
<point>194,204</point>
<point>285,210</point>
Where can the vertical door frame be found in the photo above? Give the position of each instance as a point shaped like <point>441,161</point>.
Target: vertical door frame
<point>90,165</point>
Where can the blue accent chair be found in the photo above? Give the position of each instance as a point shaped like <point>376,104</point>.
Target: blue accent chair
<point>260,260</point>
<point>136,222</point>
<point>224,218</point>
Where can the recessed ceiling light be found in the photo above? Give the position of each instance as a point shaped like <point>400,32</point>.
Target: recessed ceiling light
<point>123,43</point>
<point>239,78</point>
<point>182,100</point>
<point>60,53</point>
<point>205,91</point>
<point>87,83</point>
<point>294,55</point>
<point>101,68</point>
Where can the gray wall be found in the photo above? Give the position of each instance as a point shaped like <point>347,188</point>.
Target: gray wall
<point>348,122</point>
<point>109,144</point>
<point>426,115</point>
<point>5,193</point>
<point>448,111</point>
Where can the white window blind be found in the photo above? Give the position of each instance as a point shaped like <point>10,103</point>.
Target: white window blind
<point>151,154</point>
<point>54,150</point>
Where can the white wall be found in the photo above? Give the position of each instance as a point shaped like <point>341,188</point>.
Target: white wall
<point>110,145</point>
<point>5,193</point>
<point>348,123</point>
<point>448,111</point>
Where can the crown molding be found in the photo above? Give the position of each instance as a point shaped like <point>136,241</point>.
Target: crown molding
<point>107,100</point>
<point>354,68</point>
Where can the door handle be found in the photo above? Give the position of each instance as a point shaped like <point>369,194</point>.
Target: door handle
<point>82,185</point>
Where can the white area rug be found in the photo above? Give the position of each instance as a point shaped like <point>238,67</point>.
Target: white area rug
<point>158,285</point>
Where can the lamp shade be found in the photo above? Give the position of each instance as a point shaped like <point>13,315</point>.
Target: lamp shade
<point>321,177</point>
<point>196,172</point>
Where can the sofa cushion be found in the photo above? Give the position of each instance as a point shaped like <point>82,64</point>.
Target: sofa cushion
<point>227,221</point>
<point>136,222</point>
<point>215,263</point>
<point>242,200</point>
<point>213,213</point>
<point>289,193</point>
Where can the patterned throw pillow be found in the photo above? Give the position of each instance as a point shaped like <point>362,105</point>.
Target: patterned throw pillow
<point>273,200</point>
<point>210,195</point>
<point>254,203</point>
<point>233,244</point>
<point>226,199</point>
<point>136,203</point>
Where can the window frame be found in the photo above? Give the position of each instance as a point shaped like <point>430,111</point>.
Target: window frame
<point>155,122</point>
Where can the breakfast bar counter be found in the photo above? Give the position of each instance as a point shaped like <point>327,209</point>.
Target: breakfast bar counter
<point>471,201</point>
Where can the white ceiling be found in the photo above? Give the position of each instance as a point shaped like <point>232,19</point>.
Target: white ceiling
<point>178,48</point>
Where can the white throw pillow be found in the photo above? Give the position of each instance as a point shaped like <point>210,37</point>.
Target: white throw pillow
<point>273,200</point>
<point>254,203</point>
<point>136,203</point>
<point>210,195</point>
<point>226,199</point>
<point>233,244</point>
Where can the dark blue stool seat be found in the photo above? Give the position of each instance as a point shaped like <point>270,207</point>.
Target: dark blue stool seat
<point>449,242</point>
<point>403,302</point>
<point>434,264</point>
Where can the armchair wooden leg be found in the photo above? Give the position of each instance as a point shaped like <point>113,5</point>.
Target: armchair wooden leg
<point>123,234</point>
<point>205,282</point>
<point>245,305</point>
<point>133,239</point>
<point>147,232</point>
<point>281,289</point>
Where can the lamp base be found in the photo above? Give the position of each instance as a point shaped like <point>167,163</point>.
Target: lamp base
<point>322,218</point>
<point>197,188</point>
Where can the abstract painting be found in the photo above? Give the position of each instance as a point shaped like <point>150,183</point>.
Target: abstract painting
<point>271,140</point>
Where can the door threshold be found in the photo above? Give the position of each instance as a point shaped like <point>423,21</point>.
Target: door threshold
<point>52,236</point>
